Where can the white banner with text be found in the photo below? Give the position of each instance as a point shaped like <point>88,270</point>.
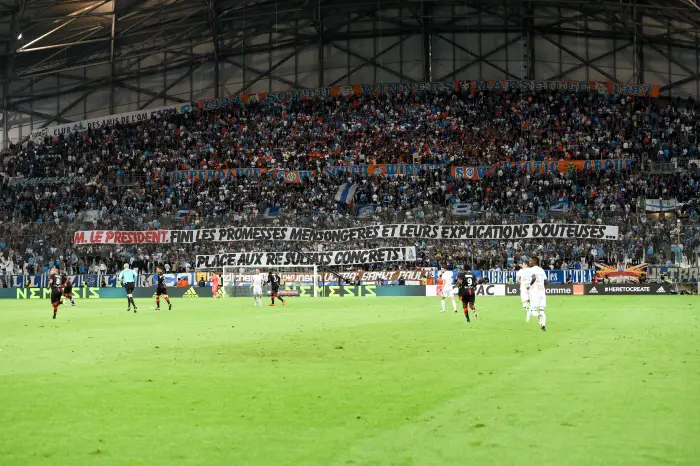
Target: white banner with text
<point>402,231</point>
<point>93,123</point>
<point>293,259</point>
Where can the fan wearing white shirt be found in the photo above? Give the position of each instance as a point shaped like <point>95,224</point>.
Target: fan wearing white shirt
<point>522,277</point>
<point>448,284</point>
<point>258,280</point>
<point>538,295</point>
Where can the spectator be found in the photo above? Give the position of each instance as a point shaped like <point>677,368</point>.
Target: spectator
<point>103,178</point>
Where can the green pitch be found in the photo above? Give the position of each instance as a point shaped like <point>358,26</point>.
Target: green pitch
<point>351,381</point>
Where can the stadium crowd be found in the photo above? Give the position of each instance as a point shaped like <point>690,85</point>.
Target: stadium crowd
<point>110,177</point>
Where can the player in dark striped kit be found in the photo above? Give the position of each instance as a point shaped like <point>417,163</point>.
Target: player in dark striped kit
<point>161,290</point>
<point>467,292</point>
<point>67,290</point>
<point>55,287</point>
<point>275,283</point>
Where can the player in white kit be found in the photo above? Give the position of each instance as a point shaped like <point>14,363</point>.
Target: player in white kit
<point>258,280</point>
<point>538,295</point>
<point>448,284</point>
<point>523,277</point>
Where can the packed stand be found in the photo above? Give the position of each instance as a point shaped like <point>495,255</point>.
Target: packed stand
<point>112,172</point>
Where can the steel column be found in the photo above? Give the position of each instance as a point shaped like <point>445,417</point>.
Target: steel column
<point>5,117</point>
<point>639,45</point>
<point>529,26</point>
<point>111,56</point>
<point>213,24</point>
<point>321,45</point>
<point>426,36</point>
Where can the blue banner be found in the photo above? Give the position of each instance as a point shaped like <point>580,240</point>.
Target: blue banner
<point>271,212</point>
<point>346,193</point>
<point>553,276</point>
<point>559,207</point>
<point>365,210</point>
<point>461,209</point>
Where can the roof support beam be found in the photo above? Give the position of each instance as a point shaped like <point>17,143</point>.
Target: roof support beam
<point>25,47</point>
<point>479,58</point>
<point>98,82</point>
<point>482,58</point>
<point>594,59</point>
<point>150,92</point>
<point>86,35</point>
<point>268,72</point>
<point>693,75</point>
<point>65,109</point>
<point>543,31</point>
<point>370,61</point>
<point>680,82</point>
<point>587,63</point>
<point>163,93</point>
<point>41,115</point>
<point>292,84</point>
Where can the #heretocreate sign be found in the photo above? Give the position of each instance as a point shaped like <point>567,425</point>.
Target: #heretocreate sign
<point>651,288</point>
<point>403,231</point>
<point>357,256</point>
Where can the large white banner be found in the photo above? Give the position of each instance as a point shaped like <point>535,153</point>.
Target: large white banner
<point>292,259</point>
<point>122,118</point>
<point>404,231</point>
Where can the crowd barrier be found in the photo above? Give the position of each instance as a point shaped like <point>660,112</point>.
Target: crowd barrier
<point>97,280</point>
<point>362,291</point>
<point>390,277</point>
<point>514,290</point>
<point>337,291</point>
<point>87,292</point>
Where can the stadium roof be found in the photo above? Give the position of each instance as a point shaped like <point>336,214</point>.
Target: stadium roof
<point>50,36</point>
<point>80,39</point>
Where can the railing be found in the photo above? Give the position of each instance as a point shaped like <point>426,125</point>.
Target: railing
<point>654,273</point>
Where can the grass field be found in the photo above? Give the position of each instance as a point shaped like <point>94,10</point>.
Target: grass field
<point>614,380</point>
